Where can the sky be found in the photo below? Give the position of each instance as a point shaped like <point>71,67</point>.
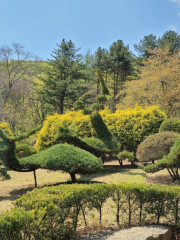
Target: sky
<point>39,25</point>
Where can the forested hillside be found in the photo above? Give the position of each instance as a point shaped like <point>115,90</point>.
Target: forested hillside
<point>31,89</point>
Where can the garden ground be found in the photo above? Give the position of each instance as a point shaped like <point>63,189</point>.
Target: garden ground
<point>20,183</point>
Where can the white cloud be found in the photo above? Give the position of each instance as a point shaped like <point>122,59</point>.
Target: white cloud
<point>178,2</point>
<point>172,27</point>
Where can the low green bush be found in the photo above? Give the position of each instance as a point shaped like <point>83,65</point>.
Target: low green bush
<point>54,212</point>
<point>126,155</point>
<point>156,146</point>
<point>170,124</point>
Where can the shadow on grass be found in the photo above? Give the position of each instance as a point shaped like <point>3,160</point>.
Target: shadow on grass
<point>84,179</point>
<point>17,193</point>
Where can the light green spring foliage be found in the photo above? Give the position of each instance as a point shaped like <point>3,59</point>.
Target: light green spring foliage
<point>130,126</point>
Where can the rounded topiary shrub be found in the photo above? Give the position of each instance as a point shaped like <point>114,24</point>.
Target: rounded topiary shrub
<point>156,146</point>
<point>65,157</point>
<point>170,124</point>
<point>126,155</point>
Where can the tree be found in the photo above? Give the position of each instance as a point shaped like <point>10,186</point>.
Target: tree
<point>170,39</point>
<point>171,162</point>
<point>59,157</point>
<point>61,78</point>
<point>16,67</point>
<point>101,65</point>
<point>159,83</point>
<point>120,67</point>
<point>148,42</point>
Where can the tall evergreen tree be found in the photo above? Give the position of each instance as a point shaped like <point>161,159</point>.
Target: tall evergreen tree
<point>62,77</point>
<point>171,39</point>
<point>149,42</point>
<point>120,65</point>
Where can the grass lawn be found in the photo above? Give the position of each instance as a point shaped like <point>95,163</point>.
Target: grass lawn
<point>20,183</point>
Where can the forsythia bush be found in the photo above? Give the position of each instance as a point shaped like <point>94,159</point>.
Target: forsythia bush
<point>79,122</point>
<point>5,127</point>
<point>129,126</point>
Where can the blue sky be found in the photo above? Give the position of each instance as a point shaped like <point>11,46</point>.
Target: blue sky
<point>39,24</point>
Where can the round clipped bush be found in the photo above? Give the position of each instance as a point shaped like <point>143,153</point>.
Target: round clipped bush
<point>66,158</point>
<point>170,124</point>
<point>156,146</point>
<point>125,155</point>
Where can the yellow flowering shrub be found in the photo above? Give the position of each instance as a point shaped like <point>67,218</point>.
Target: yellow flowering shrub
<point>5,127</point>
<point>80,123</point>
<point>131,126</point>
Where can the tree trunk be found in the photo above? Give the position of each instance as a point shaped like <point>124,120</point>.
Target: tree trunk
<point>35,178</point>
<point>73,177</point>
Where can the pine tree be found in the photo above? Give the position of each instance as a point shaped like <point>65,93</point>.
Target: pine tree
<point>60,80</point>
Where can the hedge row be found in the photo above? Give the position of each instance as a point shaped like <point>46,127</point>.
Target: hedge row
<point>55,212</point>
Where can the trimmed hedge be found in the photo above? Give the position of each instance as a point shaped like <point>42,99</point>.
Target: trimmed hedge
<point>54,212</point>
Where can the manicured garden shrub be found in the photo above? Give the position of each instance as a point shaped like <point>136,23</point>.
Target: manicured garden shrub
<point>66,158</point>
<point>156,146</point>
<point>63,157</point>
<point>126,155</point>
<point>170,124</point>
<point>54,212</point>
<point>132,126</point>
<point>171,162</point>
<point>56,130</point>
<point>24,150</point>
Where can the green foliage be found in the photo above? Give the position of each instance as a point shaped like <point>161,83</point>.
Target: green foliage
<point>97,144</point>
<point>170,124</point>
<point>87,111</point>
<point>101,98</point>
<point>170,161</point>
<point>54,212</point>
<point>126,155</point>
<point>149,42</point>
<point>103,133</point>
<point>24,150</point>
<point>171,39</point>
<point>61,81</point>
<point>156,146</point>
<point>66,158</point>
<point>4,175</point>
<point>97,107</point>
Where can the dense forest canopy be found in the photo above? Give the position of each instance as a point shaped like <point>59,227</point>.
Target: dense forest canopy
<point>31,89</point>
